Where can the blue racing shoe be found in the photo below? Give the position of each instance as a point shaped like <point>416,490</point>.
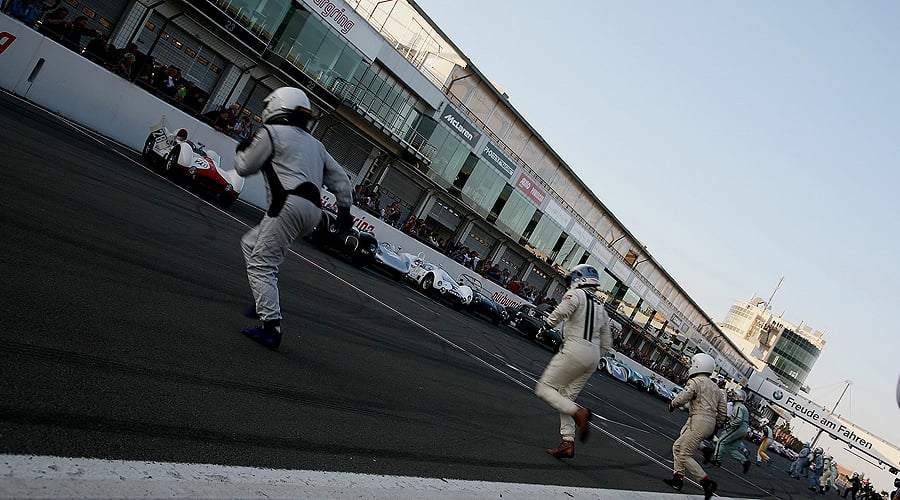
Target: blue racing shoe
<point>269,337</point>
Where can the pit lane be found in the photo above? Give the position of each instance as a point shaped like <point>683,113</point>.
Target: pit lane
<point>120,340</point>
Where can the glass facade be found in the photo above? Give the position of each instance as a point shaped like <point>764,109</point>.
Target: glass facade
<point>792,358</point>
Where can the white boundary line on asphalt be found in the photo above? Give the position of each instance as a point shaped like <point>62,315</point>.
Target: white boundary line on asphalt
<point>56,477</point>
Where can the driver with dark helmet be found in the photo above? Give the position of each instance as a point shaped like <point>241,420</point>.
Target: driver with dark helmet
<point>295,165</point>
<point>586,337</point>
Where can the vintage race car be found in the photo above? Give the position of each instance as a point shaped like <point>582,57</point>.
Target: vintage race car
<point>431,279</point>
<point>391,261</point>
<point>610,365</point>
<point>528,320</point>
<point>175,155</point>
<point>326,235</point>
<point>659,389</point>
<point>482,304</point>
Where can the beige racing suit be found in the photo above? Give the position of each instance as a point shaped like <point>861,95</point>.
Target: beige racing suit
<point>294,165</point>
<point>586,337</point>
<point>707,410</point>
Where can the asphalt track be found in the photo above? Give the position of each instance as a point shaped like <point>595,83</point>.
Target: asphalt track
<point>122,297</point>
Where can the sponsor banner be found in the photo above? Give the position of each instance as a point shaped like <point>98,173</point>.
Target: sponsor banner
<point>530,189</point>
<point>581,235</point>
<point>557,213</point>
<point>602,253</point>
<point>621,271</point>
<point>492,154</point>
<point>819,416</point>
<point>460,125</point>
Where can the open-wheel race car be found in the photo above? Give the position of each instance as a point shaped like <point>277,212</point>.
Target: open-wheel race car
<point>433,280</point>
<point>175,155</point>
<point>327,234</point>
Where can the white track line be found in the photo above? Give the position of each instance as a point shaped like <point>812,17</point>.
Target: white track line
<point>56,477</point>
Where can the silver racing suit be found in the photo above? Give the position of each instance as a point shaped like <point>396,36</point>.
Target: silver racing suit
<point>294,165</point>
<point>586,337</point>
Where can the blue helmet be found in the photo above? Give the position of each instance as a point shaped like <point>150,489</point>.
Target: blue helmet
<point>583,275</point>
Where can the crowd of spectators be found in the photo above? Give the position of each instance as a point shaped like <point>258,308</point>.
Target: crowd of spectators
<point>162,80</point>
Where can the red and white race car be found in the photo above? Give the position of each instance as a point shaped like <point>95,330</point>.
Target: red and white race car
<point>176,155</point>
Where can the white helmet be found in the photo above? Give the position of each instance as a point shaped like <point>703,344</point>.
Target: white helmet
<point>855,474</point>
<point>738,395</point>
<point>764,421</point>
<point>583,275</point>
<point>702,363</point>
<point>283,101</point>
<point>818,450</point>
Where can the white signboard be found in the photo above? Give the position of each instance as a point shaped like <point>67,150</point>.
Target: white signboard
<point>819,416</point>
<point>581,235</point>
<point>557,213</point>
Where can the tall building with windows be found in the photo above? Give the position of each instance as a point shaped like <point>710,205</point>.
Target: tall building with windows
<point>789,350</point>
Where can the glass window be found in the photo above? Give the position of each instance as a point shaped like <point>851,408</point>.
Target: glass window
<point>260,18</point>
<point>545,235</point>
<point>516,213</point>
<point>628,305</point>
<point>484,185</point>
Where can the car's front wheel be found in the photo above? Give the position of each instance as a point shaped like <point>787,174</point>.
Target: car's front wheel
<point>147,152</point>
<point>426,283</point>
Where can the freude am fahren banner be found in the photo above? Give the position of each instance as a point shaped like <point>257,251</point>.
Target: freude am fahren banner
<point>818,416</point>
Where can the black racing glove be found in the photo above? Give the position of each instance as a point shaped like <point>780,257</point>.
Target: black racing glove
<point>345,232</point>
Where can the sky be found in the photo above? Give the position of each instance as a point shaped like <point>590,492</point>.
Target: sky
<point>741,142</point>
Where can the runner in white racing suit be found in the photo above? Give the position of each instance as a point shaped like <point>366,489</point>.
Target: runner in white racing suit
<point>294,165</point>
<point>706,403</point>
<point>586,337</point>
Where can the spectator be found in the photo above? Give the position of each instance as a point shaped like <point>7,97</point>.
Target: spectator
<point>97,50</point>
<point>409,225</point>
<point>505,277</point>
<point>78,31</point>
<point>30,11</point>
<point>166,80</point>
<point>494,273</point>
<point>55,25</point>
<point>227,118</point>
<point>123,69</point>
<point>239,129</point>
<point>195,99</point>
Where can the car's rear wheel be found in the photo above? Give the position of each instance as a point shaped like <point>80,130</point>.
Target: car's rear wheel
<point>426,283</point>
<point>171,164</point>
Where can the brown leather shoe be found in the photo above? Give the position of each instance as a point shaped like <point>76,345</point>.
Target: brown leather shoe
<point>582,419</point>
<point>566,449</point>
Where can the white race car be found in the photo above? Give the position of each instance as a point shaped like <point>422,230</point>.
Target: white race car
<point>392,262</point>
<point>178,156</point>
<point>433,280</point>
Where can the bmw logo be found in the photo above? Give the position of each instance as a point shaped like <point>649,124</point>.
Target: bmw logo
<point>778,395</point>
